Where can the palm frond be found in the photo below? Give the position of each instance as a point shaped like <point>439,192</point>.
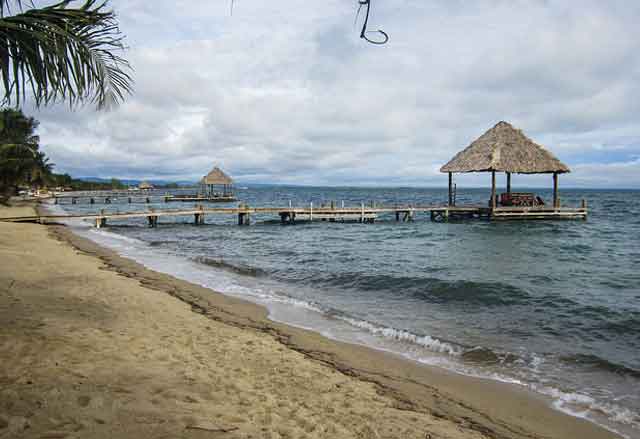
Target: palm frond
<point>62,53</point>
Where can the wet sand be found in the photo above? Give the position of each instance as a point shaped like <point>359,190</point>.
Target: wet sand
<point>95,345</point>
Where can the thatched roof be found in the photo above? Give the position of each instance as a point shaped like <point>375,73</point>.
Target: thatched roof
<point>145,185</point>
<point>505,149</point>
<point>216,176</point>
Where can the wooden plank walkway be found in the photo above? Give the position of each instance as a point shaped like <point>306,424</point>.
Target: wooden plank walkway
<point>362,213</point>
<point>138,198</point>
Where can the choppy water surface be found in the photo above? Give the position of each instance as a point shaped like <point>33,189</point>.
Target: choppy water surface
<point>551,305</point>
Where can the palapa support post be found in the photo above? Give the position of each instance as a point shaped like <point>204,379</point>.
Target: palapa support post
<point>101,221</point>
<point>397,215</point>
<point>450,188</point>
<point>556,200</point>
<point>311,211</point>
<point>362,212</point>
<point>493,190</point>
<point>243,217</point>
<point>509,182</point>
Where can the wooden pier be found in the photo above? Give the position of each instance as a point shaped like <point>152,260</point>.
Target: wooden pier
<point>129,197</point>
<point>362,214</point>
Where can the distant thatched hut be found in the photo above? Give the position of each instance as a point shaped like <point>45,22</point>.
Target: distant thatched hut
<point>145,186</point>
<point>505,149</point>
<point>216,184</point>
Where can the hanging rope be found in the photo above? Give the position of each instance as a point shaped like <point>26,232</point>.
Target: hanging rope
<point>365,31</point>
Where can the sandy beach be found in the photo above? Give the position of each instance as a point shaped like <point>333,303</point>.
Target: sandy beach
<point>93,345</point>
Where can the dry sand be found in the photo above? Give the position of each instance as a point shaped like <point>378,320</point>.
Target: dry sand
<point>93,345</point>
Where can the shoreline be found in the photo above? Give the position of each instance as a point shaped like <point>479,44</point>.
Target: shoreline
<point>475,405</point>
<point>410,386</point>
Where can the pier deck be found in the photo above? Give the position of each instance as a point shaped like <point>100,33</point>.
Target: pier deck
<point>289,215</point>
<point>131,197</point>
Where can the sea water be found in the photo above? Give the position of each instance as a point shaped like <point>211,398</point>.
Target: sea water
<point>550,305</point>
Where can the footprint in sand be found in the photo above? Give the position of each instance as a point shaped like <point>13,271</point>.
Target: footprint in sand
<point>84,400</point>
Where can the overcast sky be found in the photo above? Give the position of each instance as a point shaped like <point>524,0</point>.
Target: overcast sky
<point>285,91</point>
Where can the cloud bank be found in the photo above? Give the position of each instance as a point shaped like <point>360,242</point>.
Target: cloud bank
<point>286,92</point>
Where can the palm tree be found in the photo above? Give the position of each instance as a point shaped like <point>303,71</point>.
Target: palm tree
<point>21,161</point>
<point>62,53</point>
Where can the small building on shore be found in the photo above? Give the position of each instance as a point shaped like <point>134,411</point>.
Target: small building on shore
<point>217,184</point>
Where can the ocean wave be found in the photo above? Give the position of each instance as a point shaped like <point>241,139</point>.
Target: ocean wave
<point>595,362</point>
<point>587,407</point>
<point>244,270</point>
<point>486,356</point>
<point>434,290</point>
<point>424,341</point>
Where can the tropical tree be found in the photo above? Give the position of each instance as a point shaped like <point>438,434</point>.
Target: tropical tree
<point>21,161</point>
<point>62,53</point>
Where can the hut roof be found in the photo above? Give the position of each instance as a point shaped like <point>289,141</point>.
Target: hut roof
<point>216,176</point>
<point>506,149</point>
<point>145,185</point>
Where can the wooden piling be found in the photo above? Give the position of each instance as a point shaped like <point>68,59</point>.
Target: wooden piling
<point>493,189</point>
<point>556,199</point>
<point>153,220</point>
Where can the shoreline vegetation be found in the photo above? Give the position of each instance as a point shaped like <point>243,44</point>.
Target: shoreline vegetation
<point>96,345</point>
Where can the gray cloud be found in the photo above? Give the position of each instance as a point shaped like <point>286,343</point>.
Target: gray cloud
<point>286,92</point>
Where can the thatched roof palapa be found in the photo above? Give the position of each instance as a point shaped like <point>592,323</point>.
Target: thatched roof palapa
<point>505,149</point>
<point>217,177</point>
<point>145,185</point>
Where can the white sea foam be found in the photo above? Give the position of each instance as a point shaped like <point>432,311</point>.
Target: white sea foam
<point>425,341</point>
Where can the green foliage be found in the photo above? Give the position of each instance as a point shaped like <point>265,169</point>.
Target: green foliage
<point>62,53</point>
<point>21,161</point>
<point>67,182</point>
